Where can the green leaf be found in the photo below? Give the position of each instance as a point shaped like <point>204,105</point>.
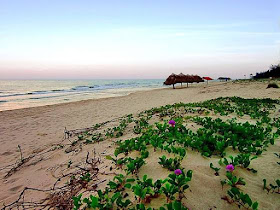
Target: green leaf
<point>177,205</point>
<point>230,194</point>
<point>185,187</point>
<point>235,191</point>
<point>255,205</point>
<point>229,175</point>
<point>248,200</point>
<point>115,197</point>
<point>226,161</point>
<point>254,157</point>
<point>278,182</point>
<point>189,173</point>
<point>130,180</point>
<point>145,177</point>
<point>264,184</point>
<point>234,179</point>
<point>127,185</point>
<point>126,203</point>
<point>223,182</point>
<point>94,201</point>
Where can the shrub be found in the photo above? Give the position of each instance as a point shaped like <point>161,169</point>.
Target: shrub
<point>272,85</point>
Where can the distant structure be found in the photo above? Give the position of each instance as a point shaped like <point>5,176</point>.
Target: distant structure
<point>207,79</point>
<point>224,78</point>
<point>182,78</point>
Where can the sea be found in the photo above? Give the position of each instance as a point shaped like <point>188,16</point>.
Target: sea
<point>17,94</point>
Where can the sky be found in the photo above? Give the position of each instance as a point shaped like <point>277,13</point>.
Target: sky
<point>147,39</point>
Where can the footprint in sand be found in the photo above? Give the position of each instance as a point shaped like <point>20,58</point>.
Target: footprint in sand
<point>7,153</point>
<point>11,180</point>
<point>16,188</point>
<point>42,134</point>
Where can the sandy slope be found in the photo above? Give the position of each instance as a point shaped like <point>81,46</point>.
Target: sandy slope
<point>37,129</point>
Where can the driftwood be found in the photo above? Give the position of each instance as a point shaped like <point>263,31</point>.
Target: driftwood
<point>13,168</point>
<point>61,197</point>
<point>19,164</point>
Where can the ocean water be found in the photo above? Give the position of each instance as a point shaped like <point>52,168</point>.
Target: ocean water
<point>17,94</point>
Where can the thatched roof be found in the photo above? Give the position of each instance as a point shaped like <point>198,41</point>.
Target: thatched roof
<point>224,78</point>
<point>182,78</point>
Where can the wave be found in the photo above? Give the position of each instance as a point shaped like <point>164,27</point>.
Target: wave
<point>15,94</point>
<point>78,89</point>
<point>58,90</point>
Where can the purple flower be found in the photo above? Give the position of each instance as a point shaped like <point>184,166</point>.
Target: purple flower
<point>178,171</point>
<point>230,167</point>
<point>172,123</point>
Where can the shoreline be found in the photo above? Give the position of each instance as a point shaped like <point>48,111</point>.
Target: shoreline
<point>110,93</point>
<point>33,93</point>
<point>139,90</point>
<point>83,100</point>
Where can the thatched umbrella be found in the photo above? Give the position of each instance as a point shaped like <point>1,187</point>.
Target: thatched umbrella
<point>171,80</point>
<point>180,78</point>
<point>197,79</point>
<point>188,78</point>
<point>185,78</point>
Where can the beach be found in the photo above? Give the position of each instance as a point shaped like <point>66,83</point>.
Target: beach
<point>39,131</point>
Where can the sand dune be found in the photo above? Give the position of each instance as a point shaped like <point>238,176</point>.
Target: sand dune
<point>39,130</point>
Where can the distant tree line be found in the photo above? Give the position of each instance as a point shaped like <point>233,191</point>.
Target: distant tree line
<point>274,71</point>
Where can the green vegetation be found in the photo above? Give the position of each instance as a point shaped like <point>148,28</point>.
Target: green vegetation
<point>272,85</point>
<point>172,163</point>
<point>271,187</point>
<point>215,169</point>
<point>171,135</point>
<point>242,160</point>
<point>273,71</point>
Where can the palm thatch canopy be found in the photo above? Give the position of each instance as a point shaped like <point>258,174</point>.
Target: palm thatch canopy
<point>182,78</point>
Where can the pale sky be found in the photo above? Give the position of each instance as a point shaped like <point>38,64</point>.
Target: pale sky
<point>88,39</point>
